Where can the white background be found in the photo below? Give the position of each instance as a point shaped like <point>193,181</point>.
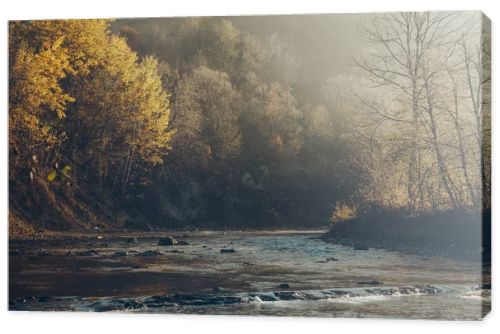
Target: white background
<point>91,323</point>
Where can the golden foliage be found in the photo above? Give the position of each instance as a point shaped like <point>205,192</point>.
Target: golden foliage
<point>52,175</point>
<point>342,212</point>
<point>79,68</point>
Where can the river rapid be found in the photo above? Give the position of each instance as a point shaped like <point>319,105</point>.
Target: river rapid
<point>285,273</point>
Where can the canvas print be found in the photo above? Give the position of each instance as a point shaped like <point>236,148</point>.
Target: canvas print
<point>331,165</point>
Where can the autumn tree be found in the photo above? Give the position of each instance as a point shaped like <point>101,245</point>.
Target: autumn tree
<point>206,118</point>
<point>82,109</point>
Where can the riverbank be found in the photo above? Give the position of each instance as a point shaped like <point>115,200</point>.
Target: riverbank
<point>454,233</point>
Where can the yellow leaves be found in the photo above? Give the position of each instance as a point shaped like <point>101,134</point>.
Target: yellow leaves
<point>35,83</point>
<point>343,212</point>
<point>105,85</point>
<point>151,119</point>
<point>42,53</point>
<point>66,171</point>
<point>58,43</point>
<point>119,60</point>
<point>52,175</point>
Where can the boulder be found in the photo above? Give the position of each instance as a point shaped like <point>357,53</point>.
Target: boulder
<point>228,250</point>
<point>182,243</point>
<point>167,241</point>
<point>284,286</point>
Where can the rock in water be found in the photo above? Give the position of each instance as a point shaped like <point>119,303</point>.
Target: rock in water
<point>372,282</point>
<point>284,286</point>
<point>90,252</point>
<point>131,240</point>
<point>183,243</point>
<point>149,253</point>
<point>176,251</point>
<point>227,250</point>
<point>119,254</point>
<point>167,241</point>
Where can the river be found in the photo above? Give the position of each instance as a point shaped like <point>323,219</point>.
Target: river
<point>285,273</point>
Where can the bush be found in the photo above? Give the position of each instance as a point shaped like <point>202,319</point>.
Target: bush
<point>343,212</point>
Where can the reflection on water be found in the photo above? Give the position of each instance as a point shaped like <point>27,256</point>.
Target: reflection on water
<point>290,273</point>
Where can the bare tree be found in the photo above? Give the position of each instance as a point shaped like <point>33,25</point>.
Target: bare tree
<point>406,59</point>
<point>455,115</point>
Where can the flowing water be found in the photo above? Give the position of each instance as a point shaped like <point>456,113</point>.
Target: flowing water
<point>269,273</point>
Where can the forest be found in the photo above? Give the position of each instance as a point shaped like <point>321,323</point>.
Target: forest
<point>240,123</point>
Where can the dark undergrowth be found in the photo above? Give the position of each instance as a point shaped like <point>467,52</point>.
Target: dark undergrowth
<point>455,233</point>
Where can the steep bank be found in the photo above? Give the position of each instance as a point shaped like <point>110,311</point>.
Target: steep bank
<point>454,233</point>
<point>40,209</point>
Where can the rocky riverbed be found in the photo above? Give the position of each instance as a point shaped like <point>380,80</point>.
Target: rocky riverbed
<point>256,273</point>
